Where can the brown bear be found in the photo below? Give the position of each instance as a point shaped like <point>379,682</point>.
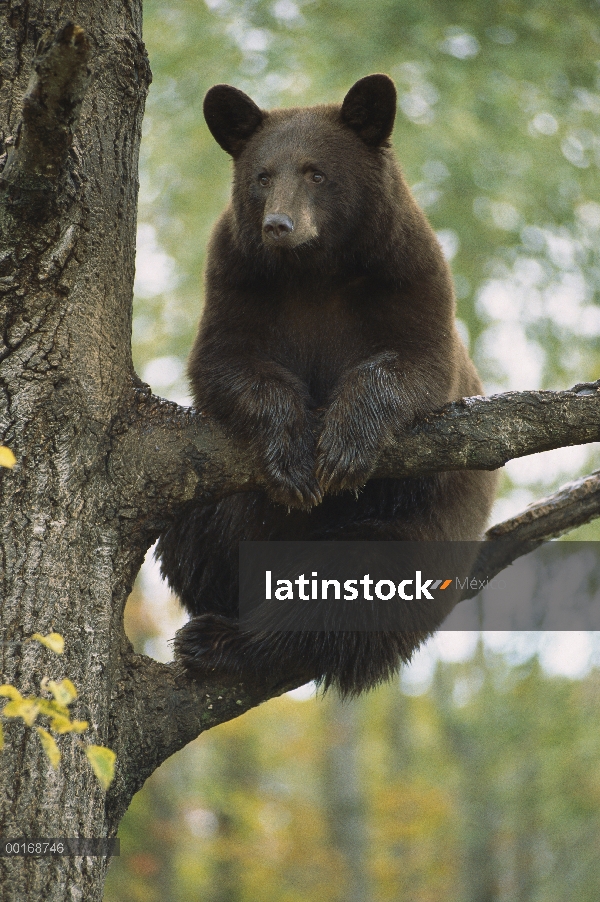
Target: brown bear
<point>328,325</point>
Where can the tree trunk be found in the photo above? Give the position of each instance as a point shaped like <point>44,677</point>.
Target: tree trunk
<point>70,554</point>
<point>101,463</point>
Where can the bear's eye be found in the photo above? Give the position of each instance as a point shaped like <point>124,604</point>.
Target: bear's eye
<point>263,180</point>
<point>318,177</point>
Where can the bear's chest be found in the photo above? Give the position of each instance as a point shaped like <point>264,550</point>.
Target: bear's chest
<point>319,338</point>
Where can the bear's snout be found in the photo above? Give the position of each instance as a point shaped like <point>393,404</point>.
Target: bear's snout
<point>277,226</point>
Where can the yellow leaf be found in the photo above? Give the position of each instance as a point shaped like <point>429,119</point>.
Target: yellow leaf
<point>50,747</point>
<point>64,692</point>
<point>52,708</point>
<point>9,691</point>
<point>7,458</point>
<point>26,708</point>
<point>102,761</point>
<point>1,737</point>
<point>53,641</point>
<point>79,726</point>
<point>61,724</point>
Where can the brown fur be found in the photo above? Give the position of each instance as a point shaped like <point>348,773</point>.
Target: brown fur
<point>316,343</point>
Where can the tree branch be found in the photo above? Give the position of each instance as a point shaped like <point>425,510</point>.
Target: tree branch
<point>165,455</point>
<point>157,709</point>
<point>50,112</point>
<point>573,505</point>
<point>181,455</point>
<point>484,433</point>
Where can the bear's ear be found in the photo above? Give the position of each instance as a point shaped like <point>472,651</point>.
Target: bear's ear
<point>231,116</point>
<point>369,108</point>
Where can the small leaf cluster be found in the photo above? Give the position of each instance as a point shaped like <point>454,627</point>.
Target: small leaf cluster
<point>56,710</point>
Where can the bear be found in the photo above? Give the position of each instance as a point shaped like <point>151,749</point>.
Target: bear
<point>328,326</point>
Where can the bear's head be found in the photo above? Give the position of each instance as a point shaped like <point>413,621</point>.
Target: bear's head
<point>305,176</point>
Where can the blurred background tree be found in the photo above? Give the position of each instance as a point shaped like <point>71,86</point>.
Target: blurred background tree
<point>484,786</point>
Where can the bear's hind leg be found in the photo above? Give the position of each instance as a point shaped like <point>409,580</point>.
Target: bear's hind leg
<point>215,646</point>
<point>351,662</point>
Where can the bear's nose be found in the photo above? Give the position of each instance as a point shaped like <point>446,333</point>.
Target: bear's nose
<point>277,225</point>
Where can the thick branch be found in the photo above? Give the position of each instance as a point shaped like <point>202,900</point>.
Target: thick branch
<point>157,710</point>
<point>49,115</point>
<point>484,433</point>
<point>183,455</point>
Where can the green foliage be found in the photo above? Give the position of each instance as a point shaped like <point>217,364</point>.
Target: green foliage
<point>497,132</point>
<point>56,710</point>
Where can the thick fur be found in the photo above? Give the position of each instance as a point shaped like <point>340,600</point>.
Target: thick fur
<point>315,344</point>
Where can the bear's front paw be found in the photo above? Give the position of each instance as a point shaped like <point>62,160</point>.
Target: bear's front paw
<point>288,464</point>
<point>345,457</point>
<point>293,486</point>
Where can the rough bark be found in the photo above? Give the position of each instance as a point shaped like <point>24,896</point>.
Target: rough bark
<point>69,553</point>
<point>102,464</point>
